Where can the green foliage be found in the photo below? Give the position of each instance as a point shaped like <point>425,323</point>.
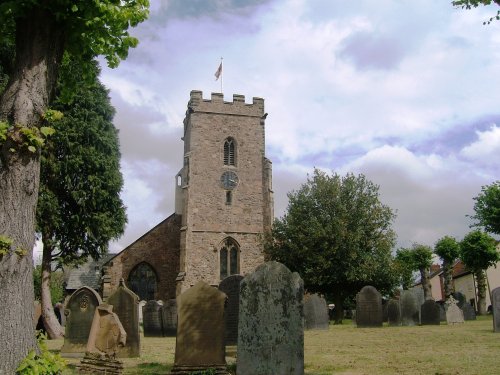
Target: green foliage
<point>209,371</point>
<point>487,208</point>
<point>79,207</point>
<point>421,255</point>
<point>447,248</point>
<point>56,285</point>
<point>45,363</point>
<point>5,245</point>
<point>337,235</point>
<point>405,267</point>
<point>478,251</point>
<point>469,4</point>
<point>4,127</point>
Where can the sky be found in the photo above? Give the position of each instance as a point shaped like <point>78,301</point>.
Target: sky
<point>404,92</point>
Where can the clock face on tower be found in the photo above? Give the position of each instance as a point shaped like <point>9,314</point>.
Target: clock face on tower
<point>229,180</point>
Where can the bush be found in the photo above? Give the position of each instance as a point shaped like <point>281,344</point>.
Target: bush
<point>44,363</point>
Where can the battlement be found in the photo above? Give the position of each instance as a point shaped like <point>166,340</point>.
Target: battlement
<point>216,104</point>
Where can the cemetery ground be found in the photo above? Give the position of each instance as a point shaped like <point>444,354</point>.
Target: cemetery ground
<point>469,348</point>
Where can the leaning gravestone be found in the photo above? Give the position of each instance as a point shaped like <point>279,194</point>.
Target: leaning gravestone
<point>271,327</point>
<point>393,312</point>
<point>469,312</point>
<point>315,312</point>
<point>199,345</point>
<point>79,313</point>
<point>454,314</point>
<point>151,316</point>
<point>231,287</point>
<point>430,312</point>
<point>409,308</point>
<point>368,307</point>
<point>106,336</point>
<point>495,302</point>
<point>126,306</point>
<point>169,318</point>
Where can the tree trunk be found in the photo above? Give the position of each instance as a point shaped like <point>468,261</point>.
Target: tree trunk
<point>426,283</point>
<point>38,53</point>
<point>52,326</point>
<point>481,292</point>
<point>449,288</point>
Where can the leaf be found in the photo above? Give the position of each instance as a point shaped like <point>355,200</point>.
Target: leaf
<point>32,148</point>
<point>47,130</point>
<point>74,8</point>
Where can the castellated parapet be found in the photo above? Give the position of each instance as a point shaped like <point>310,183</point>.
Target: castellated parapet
<point>217,105</point>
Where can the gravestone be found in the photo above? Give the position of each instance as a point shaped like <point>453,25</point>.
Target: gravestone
<point>231,287</point>
<point>271,327</point>
<point>368,307</point>
<point>393,313</point>
<point>141,305</point>
<point>169,318</point>
<point>469,312</point>
<point>495,304</point>
<point>454,314</point>
<point>430,313</point>
<point>199,345</point>
<point>106,336</point>
<point>460,298</point>
<point>442,311</point>
<point>409,308</point>
<point>126,306</point>
<point>79,312</point>
<point>315,312</point>
<point>152,322</point>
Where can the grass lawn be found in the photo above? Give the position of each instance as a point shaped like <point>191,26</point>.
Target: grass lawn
<point>470,348</point>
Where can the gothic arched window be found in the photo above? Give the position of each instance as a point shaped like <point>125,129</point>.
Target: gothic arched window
<point>143,281</point>
<point>229,151</point>
<point>229,258</point>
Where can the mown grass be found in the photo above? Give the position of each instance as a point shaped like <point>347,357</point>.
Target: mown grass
<point>470,348</point>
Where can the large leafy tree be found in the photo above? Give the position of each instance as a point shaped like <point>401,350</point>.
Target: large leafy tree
<point>487,208</point>
<point>478,252</point>
<point>469,4</point>
<point>405,267</point>
<point>337,234</point>
<point>43,30</point>
<point>448,249</point>
<point>79,205</point>
<point>417,258</point>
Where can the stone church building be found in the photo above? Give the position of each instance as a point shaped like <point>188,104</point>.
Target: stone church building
<point>223,205</point>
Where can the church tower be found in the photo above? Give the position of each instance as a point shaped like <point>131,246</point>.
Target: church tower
<point>224,190</point>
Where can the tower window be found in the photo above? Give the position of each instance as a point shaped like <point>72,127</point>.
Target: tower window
<point>229,258</point>
<point>229,197</point>
<point>229,152</point>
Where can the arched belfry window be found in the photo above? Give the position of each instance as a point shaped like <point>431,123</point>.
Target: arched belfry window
<point>229,256</point>
<point>229,151</point>
<point>143,281</point>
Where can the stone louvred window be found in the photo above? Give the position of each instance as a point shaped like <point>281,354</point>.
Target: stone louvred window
<point>229,259</point>
<point>229,152</point>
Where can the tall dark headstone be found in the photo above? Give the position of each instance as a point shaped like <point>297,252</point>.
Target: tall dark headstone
<point>460,298</point>
<point>409,308</point>
<point>231,287</point>
<point>393,312</point>
<point>469,312</point>
<point>169,318</point>
<point>368,307</point>
<point>495,304</point>
<point>199,345</point>
<point>430,313</point>
<point>271,328</point>
<point>79,313</point>
<point>151,319</point>
<point>126,306</point>
<point>315,312</point>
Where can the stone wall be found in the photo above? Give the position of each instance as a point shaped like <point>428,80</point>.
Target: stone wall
<point>159,248</point>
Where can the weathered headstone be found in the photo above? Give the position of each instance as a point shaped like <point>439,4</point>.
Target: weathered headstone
<point>271,328</point>
<point>393,313</point>
<point>460,298</point>
<point>169,318</point>
<point>152,323</point>
<point>454,314</point>
<point>231,287</point>
<point>495,304</point>
<point>442,311</point>
<point>385,317</point>
<point>126,306</point>
<point>430,313</point>
<point>79,312</point>
<point>469,312</point>
<point>141,305</point>
<point>409,308</point>
<point>199,345</point>
<point>106,336</point>
<point>368,307</point>
<point>315,312</point>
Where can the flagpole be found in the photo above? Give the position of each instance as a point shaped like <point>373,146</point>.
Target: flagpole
<point>221,75</point>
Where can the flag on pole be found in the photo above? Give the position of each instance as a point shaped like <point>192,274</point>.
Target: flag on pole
<point>218,71</point>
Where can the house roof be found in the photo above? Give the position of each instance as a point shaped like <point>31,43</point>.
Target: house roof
<point>87,274</point>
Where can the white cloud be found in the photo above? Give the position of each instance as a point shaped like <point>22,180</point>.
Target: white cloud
<point>486,149</point>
